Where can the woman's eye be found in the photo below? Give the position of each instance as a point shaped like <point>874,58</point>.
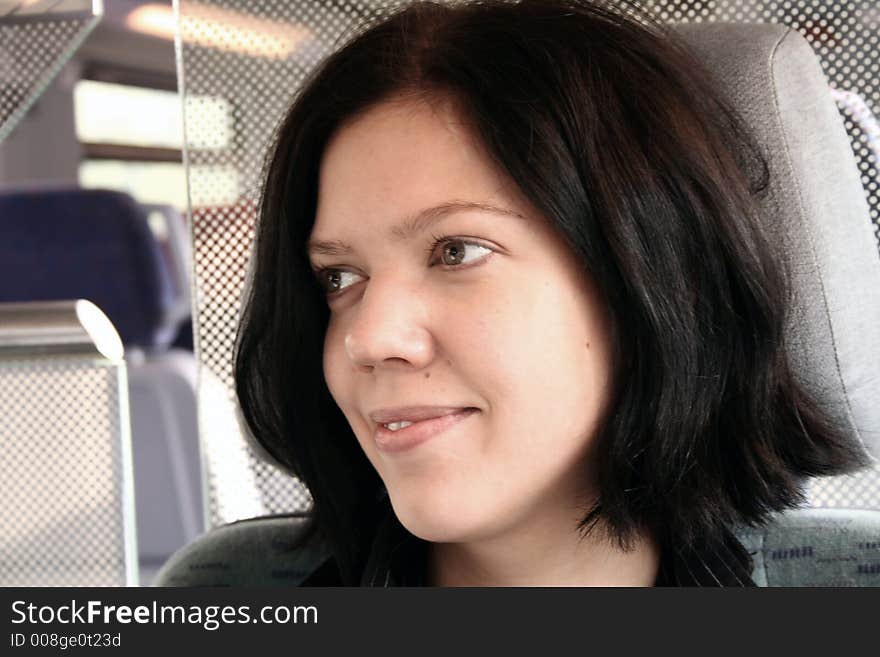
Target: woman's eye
<point>454,251</point>
<point>331,280</point>
<point>454,254</point>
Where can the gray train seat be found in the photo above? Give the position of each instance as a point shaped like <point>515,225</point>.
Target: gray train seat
<point>164,403</point>
<point>817,212</point>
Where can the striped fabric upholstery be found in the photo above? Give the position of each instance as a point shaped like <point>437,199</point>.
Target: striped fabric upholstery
<point>817,547</point>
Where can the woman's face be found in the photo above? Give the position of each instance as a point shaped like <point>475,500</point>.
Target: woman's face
<point>499,316</point>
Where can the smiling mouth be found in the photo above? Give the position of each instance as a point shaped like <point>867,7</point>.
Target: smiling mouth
<point>408,437</point>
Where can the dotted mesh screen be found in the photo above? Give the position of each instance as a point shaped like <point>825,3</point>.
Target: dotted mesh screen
<point>858,491</point>
<point>255,55</point>
<point>63,520</point>
<point>32,51</point>
<point>242,53</point>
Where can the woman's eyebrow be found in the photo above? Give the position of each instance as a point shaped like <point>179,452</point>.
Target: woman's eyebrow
<point>412,226</point>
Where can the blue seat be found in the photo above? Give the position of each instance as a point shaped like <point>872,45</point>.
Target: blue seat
<point>86,244</point>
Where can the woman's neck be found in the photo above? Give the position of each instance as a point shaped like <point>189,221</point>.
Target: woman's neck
<point>539,558</point>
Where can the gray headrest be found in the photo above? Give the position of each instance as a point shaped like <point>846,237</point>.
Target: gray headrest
<point>817,211</point>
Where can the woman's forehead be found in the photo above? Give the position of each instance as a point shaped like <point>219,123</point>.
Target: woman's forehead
<point>407,138</point>
<point>401,157</point>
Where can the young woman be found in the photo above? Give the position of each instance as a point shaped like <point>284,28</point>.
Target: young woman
<point>513,319</point>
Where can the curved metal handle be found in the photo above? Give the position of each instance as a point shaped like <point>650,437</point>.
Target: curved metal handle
<point>75,327</point>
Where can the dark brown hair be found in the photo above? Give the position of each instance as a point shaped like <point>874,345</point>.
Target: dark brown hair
<point>612,129</point>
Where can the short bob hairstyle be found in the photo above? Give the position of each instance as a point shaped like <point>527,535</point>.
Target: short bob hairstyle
<point>614,131</point>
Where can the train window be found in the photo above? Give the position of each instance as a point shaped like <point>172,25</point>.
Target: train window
<point>149,182</point>
<point>120,114</point>
<point>159,182</point>
<point>109,113</point>
<point>132,137</point>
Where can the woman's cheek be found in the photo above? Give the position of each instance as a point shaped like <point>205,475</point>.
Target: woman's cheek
<point>334,366</point>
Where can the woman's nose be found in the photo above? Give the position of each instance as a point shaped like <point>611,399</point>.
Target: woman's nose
<point>389,328</point>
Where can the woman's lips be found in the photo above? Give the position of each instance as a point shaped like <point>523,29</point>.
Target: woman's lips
<point>403,439</point>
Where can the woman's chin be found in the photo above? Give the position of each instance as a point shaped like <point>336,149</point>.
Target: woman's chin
<point>444,522</point>
<point>438,523</point>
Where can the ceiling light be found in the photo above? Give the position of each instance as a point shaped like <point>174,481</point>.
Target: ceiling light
<point>219,28</point>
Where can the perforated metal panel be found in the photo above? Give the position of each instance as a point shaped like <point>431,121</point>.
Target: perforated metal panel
<point>67,515</point>
<point>33,49</point>
<point>858,491</point>
<point>256,54</point>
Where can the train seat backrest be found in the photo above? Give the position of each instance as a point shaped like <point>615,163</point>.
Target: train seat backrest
<point>817,215</point>
<point>49,236</point>
<point>816,212</point>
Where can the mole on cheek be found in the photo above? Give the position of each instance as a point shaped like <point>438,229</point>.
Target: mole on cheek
<point>427,375</point>
<point>588,344</point>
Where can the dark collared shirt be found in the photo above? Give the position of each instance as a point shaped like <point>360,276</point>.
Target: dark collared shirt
<point>397,558</point>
